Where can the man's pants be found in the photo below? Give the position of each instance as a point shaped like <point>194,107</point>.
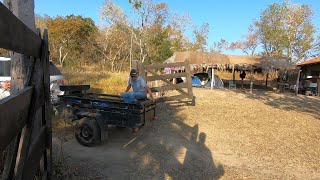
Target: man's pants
<point>131,97</point>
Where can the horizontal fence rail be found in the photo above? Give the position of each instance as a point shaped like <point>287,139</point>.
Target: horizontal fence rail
<point>14,113</point>
<point>25,119</point>
<point>16,36</point>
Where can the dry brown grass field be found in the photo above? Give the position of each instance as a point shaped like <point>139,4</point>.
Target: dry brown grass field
<point>228,134</point>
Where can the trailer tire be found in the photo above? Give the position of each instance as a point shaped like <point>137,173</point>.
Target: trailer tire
<point>87,131</point>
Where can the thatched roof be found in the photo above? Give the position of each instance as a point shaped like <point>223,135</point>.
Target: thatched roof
<point>261,61</point>
<point>310,61</point>
<point>217,58</point>
<point>198,58</point>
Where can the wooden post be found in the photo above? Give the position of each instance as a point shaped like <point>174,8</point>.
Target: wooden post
<point>212,78</point>
<point>233,75</point>
<point>318,87</point>
<point>135,64</point>
<point>19,74</point>
<point>297,83</point>
<point>188,72</point>
<point>267,79</point>
<point>142,71</point>
<point>174,80</point>
<point>251,78</point>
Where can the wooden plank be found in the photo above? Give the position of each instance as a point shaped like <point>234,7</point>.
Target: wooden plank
<point>14,113</point>
<point>167,88</point>
<point>178,97</point>
<point>189,80</point>
<point>168,82</point>
<point>34,119</point>
<point>45,175</point>
<point>16,36</point>
<point>166,76</point>
<point>36,152</point>
<point>158,66</point>
<point>47,109</point>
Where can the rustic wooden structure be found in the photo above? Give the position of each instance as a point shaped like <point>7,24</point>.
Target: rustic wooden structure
<point>25,124</point>
<point>154,73</point>
<point>310,76</point>
<point>221,62</point>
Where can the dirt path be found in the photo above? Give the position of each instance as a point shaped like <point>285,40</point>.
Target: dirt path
<point>227,135</point>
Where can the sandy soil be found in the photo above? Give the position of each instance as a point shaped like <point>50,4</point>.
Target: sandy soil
<point>227,135</point>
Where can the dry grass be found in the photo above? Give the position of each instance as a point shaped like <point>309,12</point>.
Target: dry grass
<point>99,81</point>
<point>263,135</point>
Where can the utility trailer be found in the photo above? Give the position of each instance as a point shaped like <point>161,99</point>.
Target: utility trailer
<point>95,112</point>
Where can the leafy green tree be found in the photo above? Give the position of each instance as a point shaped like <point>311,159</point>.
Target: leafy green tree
<point>70,36</point>
<point>286,30</point>
<point>159,45</point>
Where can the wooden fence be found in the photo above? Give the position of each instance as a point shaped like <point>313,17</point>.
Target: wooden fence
<point>25,124</point>
<point>155,70</point>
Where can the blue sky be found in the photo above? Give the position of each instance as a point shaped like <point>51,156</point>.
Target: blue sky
<point>228,19</point>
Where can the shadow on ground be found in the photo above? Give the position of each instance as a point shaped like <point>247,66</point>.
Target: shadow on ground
<point>171,148</point>
<point>166,148</point>
<point>287,101</point>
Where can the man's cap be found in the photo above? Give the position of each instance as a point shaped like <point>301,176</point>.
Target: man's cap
<point>133,72</point>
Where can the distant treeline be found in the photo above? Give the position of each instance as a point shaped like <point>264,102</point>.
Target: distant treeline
<point>152,33</point>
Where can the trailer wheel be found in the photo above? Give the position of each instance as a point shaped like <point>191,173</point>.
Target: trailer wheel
<point>87,131</point>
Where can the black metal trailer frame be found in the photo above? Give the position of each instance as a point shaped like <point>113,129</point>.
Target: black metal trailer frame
<point>96,112</point>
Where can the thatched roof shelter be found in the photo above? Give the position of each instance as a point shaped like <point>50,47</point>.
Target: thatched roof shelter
<point>262,62</point>
<point>258,62</point>
<point>198,58</point>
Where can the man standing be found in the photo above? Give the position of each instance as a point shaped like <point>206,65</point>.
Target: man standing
<point>139,86</point>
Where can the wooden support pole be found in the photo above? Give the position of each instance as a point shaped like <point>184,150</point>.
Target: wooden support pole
<point>174,80</point>
<point>212,78</point>
<point>233,74</point>
<point>267,79</point>
<point>251,78</point>
<point>297,83</point>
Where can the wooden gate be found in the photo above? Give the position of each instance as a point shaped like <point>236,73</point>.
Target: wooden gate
<point>25,124</point>
<point>156,72</point>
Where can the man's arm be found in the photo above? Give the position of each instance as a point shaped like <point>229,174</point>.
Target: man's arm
<point>128,87</point>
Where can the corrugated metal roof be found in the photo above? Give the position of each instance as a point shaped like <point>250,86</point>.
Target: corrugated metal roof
<point>310,61</point>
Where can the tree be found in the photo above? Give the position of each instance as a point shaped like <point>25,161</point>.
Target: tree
<point>219,46</point>
<point>250,42</point>
<point>201,37</point>
<point>159,45</point>
<point>70,36</point>
<point>156,35</point>
<point>315,52</point>
<point>286,29</point>
<point>42,21</point>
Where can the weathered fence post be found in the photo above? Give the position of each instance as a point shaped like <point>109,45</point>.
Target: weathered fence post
<point>297,83</point>
<point>25,115</point>
<point>251,78</point>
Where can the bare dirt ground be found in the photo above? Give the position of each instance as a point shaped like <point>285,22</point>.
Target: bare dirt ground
<point>227,135</point>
